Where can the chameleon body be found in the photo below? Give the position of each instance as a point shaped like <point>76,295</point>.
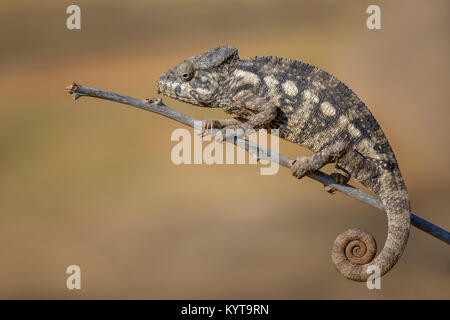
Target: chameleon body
<point>313,109</point>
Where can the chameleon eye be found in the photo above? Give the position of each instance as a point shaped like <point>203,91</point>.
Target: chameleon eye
<point>186,71</point>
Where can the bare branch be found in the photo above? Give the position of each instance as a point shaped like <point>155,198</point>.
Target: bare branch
<point>156,106</point>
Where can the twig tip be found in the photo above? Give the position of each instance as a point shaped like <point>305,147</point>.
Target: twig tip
<point>72,87</point>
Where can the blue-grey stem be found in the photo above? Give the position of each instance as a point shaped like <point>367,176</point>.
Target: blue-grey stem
<point>260,152</point>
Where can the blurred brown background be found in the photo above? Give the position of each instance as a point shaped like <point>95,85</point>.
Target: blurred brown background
<point>91,183</point>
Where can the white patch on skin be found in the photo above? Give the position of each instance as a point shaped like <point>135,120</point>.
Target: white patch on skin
<point>275,98</point>
<point>319,139</point>
<point>241,94</point>
<point>289,108</point>
<point>318,85</point>
<point>290,88</point>
<point>246,77</point>
<point>202,91</point>
<point>353,130</point>
<point>343,121</point>
<point>310,96</point>
<point>271,81</point>
<point>366,147</point>
<point>307,94</point>
<point>327,109</point>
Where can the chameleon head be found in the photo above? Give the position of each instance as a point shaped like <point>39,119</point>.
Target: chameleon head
<point>197,79</point>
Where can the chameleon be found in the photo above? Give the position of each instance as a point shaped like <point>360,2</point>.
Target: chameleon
<point>313,109</point>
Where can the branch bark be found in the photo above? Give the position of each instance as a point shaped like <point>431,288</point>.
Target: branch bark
<point>258,151</point>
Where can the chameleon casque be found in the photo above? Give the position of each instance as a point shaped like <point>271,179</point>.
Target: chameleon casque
<point>313,109</point>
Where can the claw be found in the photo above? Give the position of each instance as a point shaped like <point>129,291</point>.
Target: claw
<point>207,125</point>
<point>292,162</point>
<point>331,190</point>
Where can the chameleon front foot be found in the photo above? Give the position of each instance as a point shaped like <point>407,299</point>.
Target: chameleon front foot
<point>208,125</point>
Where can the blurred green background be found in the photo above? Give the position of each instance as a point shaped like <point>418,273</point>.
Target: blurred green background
<point>91,182</point>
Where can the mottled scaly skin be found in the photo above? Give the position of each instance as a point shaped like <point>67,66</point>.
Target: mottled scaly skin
<point>313,109</point>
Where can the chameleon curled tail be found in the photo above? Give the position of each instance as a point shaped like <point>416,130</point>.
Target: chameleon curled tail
<point>354,250</point>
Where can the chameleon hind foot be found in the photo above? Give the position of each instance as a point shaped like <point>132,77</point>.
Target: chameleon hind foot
<point>303,166</point>
<point>306,165</point>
